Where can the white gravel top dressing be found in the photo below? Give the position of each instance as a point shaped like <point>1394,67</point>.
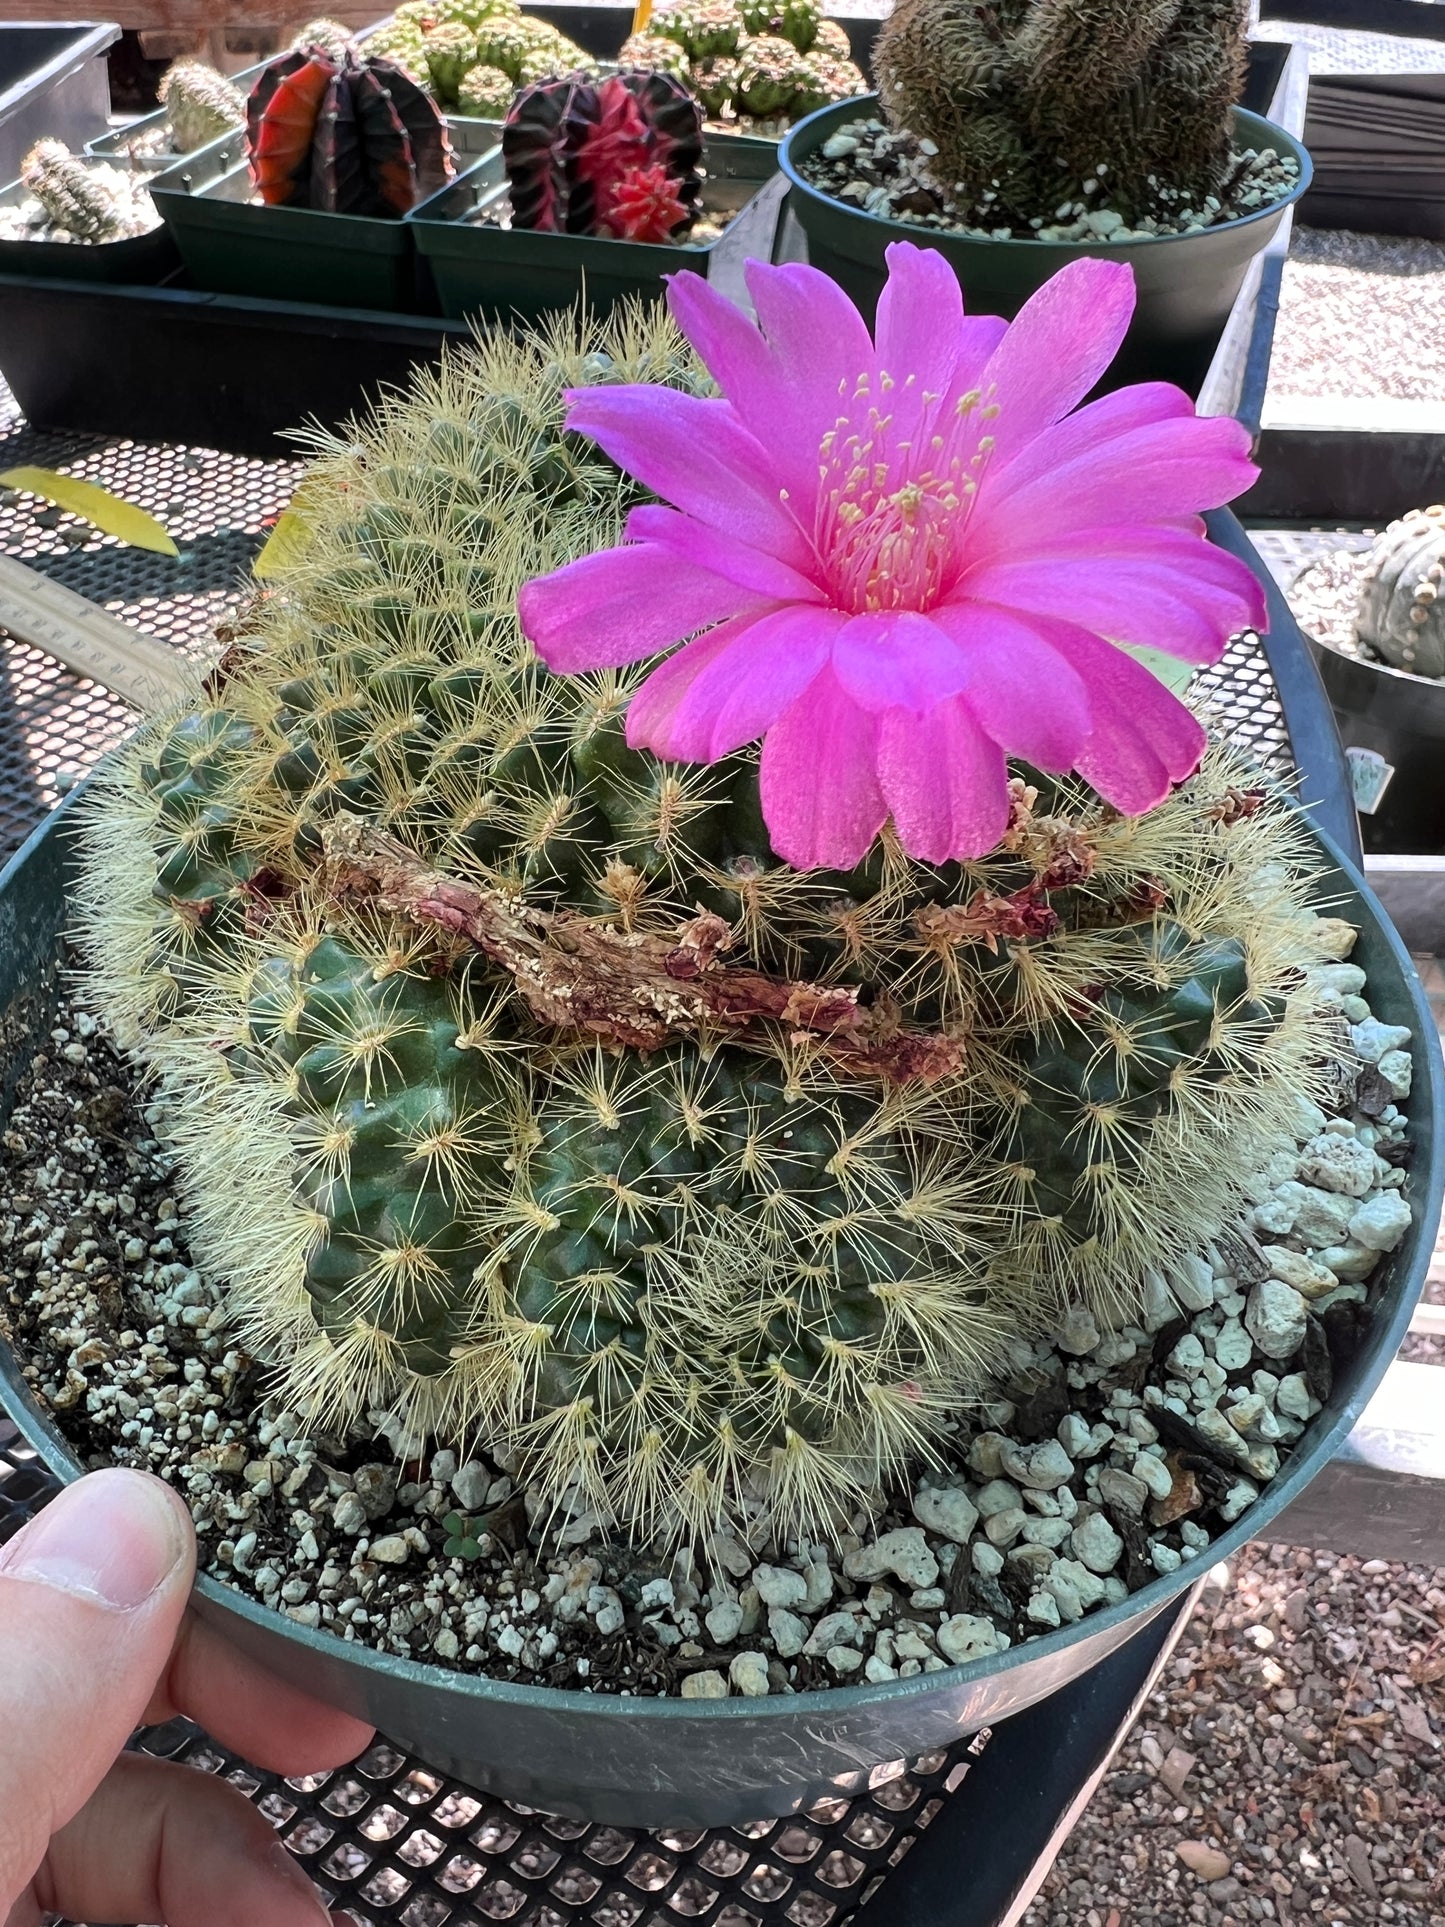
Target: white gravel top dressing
<point>1361,315</point>
<point>1105,1458</point>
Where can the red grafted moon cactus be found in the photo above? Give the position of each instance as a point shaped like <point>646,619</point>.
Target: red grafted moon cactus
<point>343,134</point>
<point>618,159</point>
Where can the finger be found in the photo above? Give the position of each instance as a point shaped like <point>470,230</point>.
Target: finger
<point>160,1842</point>
<point>249,1710</point>
<point>91,1595</point>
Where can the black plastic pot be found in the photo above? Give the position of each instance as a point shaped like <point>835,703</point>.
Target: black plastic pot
<point>231,245</point>
<point>655,1762</point>
<point>141,260</point>
<point>482,269</point>
<point>1187,283</point>
<point>1402,718</point>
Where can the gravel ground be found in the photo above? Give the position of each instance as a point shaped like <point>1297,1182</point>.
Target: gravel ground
<point>1361,315</point>
<point>1317,1685</point>
<point>1288,1768</point>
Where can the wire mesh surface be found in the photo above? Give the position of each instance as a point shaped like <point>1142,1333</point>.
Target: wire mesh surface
<point>396,1845</point>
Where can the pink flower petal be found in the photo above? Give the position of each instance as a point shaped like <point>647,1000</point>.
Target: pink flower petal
<point>730,686</point>
<point>897,658</point>
<point>696,455</point>
<point>945,781</point>
<point>694,541</point>
<point>1027,696</point>
<point>1142,739</point>
<point>621,605</point>
<point>1126,601</point>
<point>1172,468</point>
<point>820,795</point>
<point>1058,345</point>
<point>928,348</point>
<point>1086,429</point>
<point>759,384</point>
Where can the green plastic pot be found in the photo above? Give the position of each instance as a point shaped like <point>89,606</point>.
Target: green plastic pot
<point>641,1762</point>
<point>231,245</point>
<point>482,269</point>
<point>141,260</point>
<point>1187,283</point>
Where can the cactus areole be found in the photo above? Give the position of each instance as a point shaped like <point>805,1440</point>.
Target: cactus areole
<point>619,159</point>
<point>334,131</point>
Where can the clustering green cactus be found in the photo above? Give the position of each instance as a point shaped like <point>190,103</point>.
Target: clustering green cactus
<point>748,58</point>
<point>442,45</point>
<point>520,1089</point>
<point>74,197</point>
<point>1026,100</point>
<point>1401,614</point>
<point>200,104</point>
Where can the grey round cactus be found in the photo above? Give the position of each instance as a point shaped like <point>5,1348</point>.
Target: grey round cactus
<point>1402,594</point>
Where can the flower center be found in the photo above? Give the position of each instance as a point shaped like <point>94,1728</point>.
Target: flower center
<point>891,508</point>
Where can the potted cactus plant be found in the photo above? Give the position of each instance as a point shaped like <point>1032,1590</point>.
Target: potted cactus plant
<point>756,68</point>
<point>72,218</point>
<point>694,984</point>
<point>307,203</point>
<point>596,191</point>
<point>1018,137</point>
<point>1382,660</point>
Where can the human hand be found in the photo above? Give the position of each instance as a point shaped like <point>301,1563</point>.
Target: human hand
<point>95,1640</point>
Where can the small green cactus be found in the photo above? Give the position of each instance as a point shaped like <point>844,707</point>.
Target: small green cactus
<point>655,53</point>
<point>200,104</point>
<point>705,28</point>
<point>823,79</point>
<point>451,52</point>
<point>831,38</point>
<point>485,92</point>
<point>1401,613</point>
<point>715,82</point>
<point>73,196</point>
<point>680,1274</point>
<point>771,76</point>
<point>330,35</point>
<point>796,21</point>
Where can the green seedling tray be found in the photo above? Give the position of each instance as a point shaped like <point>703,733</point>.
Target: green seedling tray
<point>231,245</point>
<point>142,260</point>
<point>482,269</point>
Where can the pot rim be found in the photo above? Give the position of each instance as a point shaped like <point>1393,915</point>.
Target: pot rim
<point>1379,668</point>
<point>477,1691</point>
<point>1262,132</point>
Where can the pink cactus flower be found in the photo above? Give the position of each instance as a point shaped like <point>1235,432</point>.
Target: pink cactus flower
<point>899,561</point>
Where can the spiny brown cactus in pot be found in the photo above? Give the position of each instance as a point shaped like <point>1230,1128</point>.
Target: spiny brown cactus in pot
<point>1026,100</point>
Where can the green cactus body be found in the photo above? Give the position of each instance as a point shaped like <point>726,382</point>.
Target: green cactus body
<point>823,79</point>
<point>832,38</point>
<point>403,44</point>
<point>1029,100</point>
<point>1401,613</point>
<point>655,53</point>
<point>200,104</point>
<point>796,21</point>
<point>330,35</point>
<point>526,50</point>
<point>485,92</point>
<point>70,193</point>
<point>771,76</point>
<point>715,82</point>
<point>451,50</point>
<point>704,28</point>
<point>720,1277</point>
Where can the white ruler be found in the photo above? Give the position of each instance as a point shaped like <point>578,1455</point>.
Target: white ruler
<point>133,666</point>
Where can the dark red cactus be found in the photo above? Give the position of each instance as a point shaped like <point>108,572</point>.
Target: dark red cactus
<point>617,159</point>
<point>348,136</point>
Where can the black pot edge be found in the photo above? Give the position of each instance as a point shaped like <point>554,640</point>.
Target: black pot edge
<point>1429,1067</point>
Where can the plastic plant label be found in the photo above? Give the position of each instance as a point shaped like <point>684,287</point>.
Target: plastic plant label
<point>98,506</point>
<point>1369,778</point>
